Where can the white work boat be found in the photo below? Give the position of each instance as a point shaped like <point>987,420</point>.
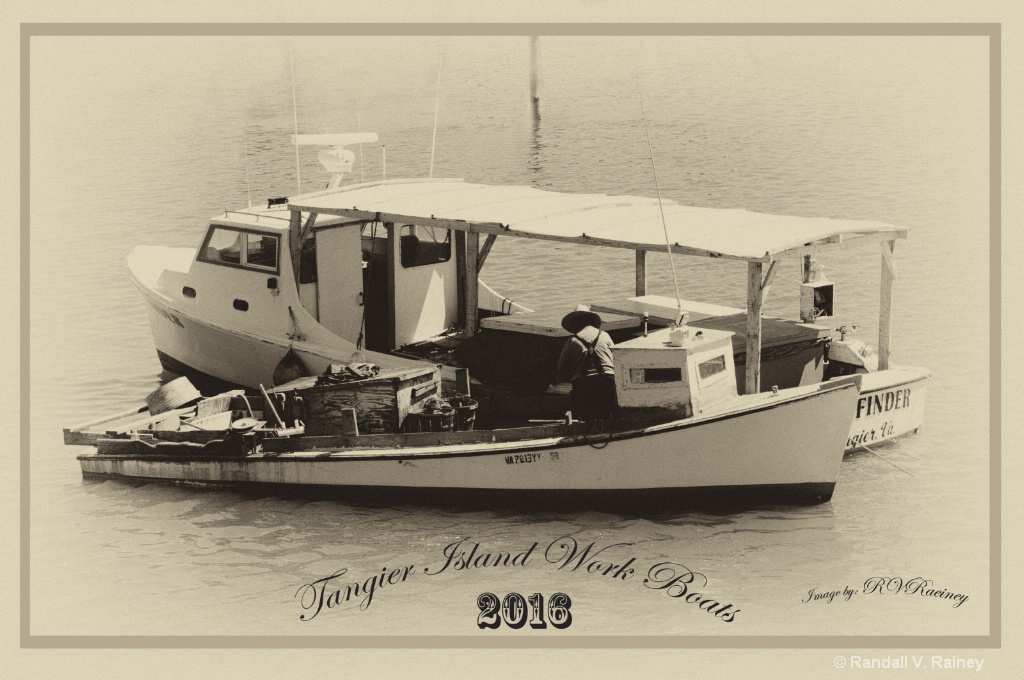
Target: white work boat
<point>701,444</point>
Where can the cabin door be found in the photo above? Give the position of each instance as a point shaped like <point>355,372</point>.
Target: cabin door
<point>410,284</point>
<point>425,281</point>
<point>377,286</point>
<point>339,266</point>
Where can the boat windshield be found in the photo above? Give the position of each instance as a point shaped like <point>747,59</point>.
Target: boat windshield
<point>235,247</point>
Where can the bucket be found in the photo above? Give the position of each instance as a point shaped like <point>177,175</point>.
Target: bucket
<point>465,413</point>
<point>174,394</point>
<point>420,421</point>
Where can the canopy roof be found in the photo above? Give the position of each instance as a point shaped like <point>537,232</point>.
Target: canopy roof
<point>632,222</point>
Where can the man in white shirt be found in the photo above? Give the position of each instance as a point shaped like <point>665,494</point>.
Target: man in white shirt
<point>586,362</point>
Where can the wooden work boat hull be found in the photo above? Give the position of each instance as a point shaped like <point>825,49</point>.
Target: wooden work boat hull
<point>215,354</point>
<point>891,404</point>
<point>786,447</point>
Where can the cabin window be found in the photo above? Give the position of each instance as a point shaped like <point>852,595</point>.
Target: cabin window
<point>223,245</point>
<point>261,251</point>
<point>421,245</point>
<point>708,370</point>
<point>239,248</point>
<point>648,376</point>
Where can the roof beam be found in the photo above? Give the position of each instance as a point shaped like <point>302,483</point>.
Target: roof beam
<point>826,246</point>
<point>499,229</point>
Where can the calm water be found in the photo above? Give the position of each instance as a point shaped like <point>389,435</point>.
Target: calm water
<point>138,141</point>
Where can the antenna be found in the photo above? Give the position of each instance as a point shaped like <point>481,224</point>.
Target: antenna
<point>664,226</point>
<point>295,117</point>
<point>437,107</point>
<point>245,149</point>
<point>359,128</point>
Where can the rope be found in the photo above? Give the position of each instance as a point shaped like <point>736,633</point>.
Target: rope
<point>959,403</point>
<point>885,459</point>
<point>611,432</point>
<point>362,325</point>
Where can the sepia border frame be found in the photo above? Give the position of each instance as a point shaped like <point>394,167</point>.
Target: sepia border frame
<point>993,31</point>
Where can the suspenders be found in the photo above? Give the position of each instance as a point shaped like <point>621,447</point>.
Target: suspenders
<point>591,354</point>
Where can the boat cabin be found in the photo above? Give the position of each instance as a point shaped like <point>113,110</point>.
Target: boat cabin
<point>380,286</point>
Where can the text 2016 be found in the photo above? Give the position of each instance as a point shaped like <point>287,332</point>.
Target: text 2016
<point>515,610</point>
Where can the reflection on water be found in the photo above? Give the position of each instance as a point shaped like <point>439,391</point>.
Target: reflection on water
<point>146,151</point>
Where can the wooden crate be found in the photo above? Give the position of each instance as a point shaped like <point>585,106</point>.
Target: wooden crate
<point>381,403</point>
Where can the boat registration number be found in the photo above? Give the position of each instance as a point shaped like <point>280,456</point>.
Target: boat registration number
<point>518,458</point>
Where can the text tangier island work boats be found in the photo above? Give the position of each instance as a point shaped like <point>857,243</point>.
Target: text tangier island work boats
<point>360,308</point>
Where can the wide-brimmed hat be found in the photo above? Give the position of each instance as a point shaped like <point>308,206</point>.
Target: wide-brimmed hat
<point>580,318</point>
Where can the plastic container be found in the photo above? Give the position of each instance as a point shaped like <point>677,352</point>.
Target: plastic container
<point>678,335</point>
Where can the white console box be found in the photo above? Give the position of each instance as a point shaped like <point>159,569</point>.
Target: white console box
<point>652,374</point>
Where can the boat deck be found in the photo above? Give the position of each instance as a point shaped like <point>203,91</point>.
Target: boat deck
<point>548,322</point>
<point>662,310</point>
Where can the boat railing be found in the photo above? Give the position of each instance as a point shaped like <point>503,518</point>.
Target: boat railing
<point>256,215</point>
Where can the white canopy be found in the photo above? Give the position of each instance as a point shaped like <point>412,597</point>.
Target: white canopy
<point>632,222</point>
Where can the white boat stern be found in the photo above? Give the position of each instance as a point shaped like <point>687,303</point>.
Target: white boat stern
<point>891,404</point>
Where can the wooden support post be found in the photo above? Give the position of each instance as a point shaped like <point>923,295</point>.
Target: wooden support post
<point>472,283</point>
<point>641,273</point>
<point>754,302</point>
<point>308,228</point>
<point>885,303</point>
<point>485,250</point>
<point>534,75</point>
<point>295,242</point>
<point>462,382</point>
<point>768,278</point>
<point>460,276</point>
<point>394,261</point>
